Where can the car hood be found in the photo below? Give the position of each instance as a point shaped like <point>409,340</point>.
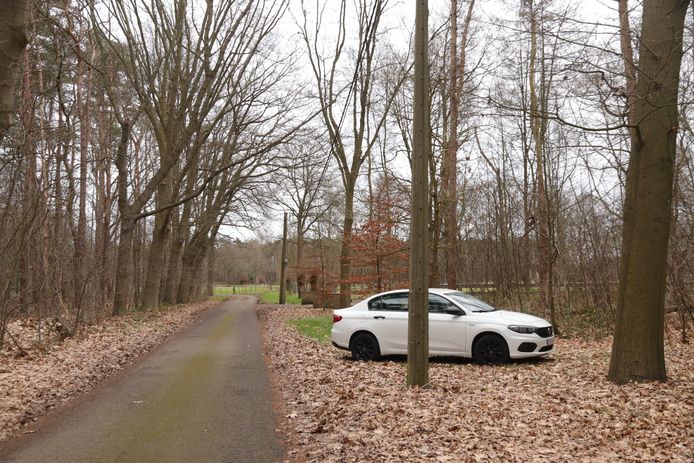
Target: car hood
<point>512,318</point>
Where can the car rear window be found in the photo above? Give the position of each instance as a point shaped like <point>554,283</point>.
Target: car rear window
<point>391,302</point>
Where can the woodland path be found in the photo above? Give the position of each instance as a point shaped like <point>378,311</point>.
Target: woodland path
<point>204,396</point>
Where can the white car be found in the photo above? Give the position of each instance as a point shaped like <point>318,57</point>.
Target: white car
<point>459,325</point>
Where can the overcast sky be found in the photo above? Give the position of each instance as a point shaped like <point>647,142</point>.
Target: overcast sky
<point>398,20</point>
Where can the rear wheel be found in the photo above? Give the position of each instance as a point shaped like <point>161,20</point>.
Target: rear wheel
<point>490,349</point>
<point>364,346</point>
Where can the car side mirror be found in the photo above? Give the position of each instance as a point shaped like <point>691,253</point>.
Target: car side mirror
<point>453,310</point>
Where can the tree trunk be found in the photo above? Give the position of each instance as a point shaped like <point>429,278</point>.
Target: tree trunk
<point>27,276</point>
<point>418,316</point>
<point>180,231</point>
<point>435,228</point>
<point>637,349</point>
<point>124,267</point>
<point>450,159</point>
<point>542,209</point>
<point>13,40</point>
<point>82,99</point>
<point>157,249</point>
<point>124,264</point>
<point>629,63</point>
<point>177,241</point>
<point>156,261</point>
<point>346,252</point>
<point>283,263</point>
<point>102,218</point>
<point>209,287</point>
<point>300,277</point>
<point>193,257</point>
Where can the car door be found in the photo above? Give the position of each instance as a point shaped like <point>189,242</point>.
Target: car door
<point>389,322</point>
<point>446,331</point>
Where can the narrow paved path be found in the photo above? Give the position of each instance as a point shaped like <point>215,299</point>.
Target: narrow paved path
<point>203,397</point>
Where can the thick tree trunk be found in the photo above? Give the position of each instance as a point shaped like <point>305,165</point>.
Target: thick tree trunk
<point>124,267</point>
<point>193,257</point>
<point>124,264</point>
<point>180,231</point>
<point>155,260</point>
<point>173,276</point>
<point>157,249</point>
<point>418,317</point>
<point>637,350</point>
<point>13,40</point>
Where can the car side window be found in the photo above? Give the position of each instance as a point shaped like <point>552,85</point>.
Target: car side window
<point>390,302</point>
<point>438,304</point>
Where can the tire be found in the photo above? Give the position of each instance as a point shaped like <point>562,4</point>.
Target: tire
<point>490,349</point>
<point>364,346</point>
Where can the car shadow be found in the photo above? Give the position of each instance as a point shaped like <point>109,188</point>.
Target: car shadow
<point>460,360</point>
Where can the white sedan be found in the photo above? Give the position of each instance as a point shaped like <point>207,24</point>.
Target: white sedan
<point>459,325</point>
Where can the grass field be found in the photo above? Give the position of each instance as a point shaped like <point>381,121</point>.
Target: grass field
<point>269,294</point>
<point>273,297</point>
<point>314,327</point>
<point>243,289</point>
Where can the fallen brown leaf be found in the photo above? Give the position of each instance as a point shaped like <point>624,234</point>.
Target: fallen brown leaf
<point>556,409</point>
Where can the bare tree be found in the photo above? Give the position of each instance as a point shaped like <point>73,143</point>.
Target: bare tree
<point>357,94</point>
<point>304,193</point>
<point>182,67</point>
<point>450,160</point>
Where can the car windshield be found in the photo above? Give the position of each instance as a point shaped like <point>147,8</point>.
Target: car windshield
<point>469,302</point>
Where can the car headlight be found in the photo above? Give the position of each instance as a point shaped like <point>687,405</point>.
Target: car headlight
<point>522,329</point>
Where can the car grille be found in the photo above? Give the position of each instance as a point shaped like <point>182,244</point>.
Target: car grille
<point>527,347</point>
<point>544,332</point>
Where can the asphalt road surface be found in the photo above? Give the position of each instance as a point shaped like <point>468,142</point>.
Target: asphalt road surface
<point>203,396</point>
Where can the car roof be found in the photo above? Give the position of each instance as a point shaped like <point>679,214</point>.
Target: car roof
<point>431,290</point>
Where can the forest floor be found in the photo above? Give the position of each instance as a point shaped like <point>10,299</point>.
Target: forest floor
<point>555,409</point>
<point>48,374</point>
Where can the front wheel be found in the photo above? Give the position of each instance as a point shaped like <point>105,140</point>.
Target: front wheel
<point>490,349</point>
<point>364,346</point>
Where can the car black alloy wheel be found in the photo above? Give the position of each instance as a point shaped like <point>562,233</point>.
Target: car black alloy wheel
<point>490,349</point>
<point>364,346</point>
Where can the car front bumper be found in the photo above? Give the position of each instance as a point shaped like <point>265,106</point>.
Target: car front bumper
<point>529,345</point>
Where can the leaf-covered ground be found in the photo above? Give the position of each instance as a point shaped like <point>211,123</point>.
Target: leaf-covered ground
<point>557,409</point>
<point>53,373</point>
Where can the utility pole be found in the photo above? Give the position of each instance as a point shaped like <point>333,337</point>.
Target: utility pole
<point>283,264</point>
<point>418,315</point>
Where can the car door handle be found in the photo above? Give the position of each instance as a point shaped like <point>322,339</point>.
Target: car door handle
<point>379,317</point>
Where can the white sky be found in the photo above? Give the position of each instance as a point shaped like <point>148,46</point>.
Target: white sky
<point>399,21</point>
